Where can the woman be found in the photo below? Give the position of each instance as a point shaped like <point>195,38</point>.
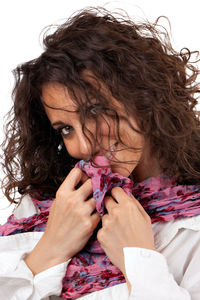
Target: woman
<point>103,146</point>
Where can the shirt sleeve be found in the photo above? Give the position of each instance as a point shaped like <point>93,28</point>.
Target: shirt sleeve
<point>150,278</point>
<point>17,280</point>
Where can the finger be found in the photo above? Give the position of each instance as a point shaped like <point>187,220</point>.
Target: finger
<point>84,177</point>
<point>90,205</point>
<point>85,190</point>
<point>109,203</point>
<point>95,220</point>
<point>118,194</point>
<point>105,219</point>
<point>71,180</point>
<point>139,206</point>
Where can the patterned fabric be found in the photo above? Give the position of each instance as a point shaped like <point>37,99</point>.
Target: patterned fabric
<point>91,270</point>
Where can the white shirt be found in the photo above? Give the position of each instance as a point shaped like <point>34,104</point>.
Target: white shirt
<point>171,272</point>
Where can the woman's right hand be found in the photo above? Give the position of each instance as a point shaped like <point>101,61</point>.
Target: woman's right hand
<point>70,224</point>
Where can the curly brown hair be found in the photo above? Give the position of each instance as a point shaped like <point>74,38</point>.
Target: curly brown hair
<point>141,70</point>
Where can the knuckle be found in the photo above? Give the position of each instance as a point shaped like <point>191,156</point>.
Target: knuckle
<point>89,182</point>
<point>74,176</point>
<point>105,221</point>
<point>79,214</point>
<point>105,217</point>
<point>115,189</point>
<point>75,171</point>
<point>60,194</point>
<point>93,203</point>
<point>87,225</point>
<point>130,204</point>
<point>100,235</point>
<point>148,218</point>
<point>70,203</point>
<point>115,212</point>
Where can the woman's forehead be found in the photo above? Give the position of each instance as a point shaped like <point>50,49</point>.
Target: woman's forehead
<point>56,95</point>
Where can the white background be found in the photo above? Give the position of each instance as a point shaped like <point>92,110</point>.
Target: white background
<point>22,21</point>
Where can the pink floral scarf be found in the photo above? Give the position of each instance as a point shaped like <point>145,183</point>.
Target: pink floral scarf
<point>91,270</point>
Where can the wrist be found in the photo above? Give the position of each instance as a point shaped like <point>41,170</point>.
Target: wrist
<point>43,257</point>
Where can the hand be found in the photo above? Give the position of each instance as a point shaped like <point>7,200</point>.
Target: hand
<point>70,223</point>
<point>126,225</point>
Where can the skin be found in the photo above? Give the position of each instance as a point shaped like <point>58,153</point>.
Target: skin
<point>72,213</point>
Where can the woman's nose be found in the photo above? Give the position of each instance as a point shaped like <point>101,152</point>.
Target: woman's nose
<point>84,145</point>
<point>79,146</point>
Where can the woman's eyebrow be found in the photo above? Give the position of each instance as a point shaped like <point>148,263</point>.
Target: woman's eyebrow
<point>62,108</point>
<point>58,123</point>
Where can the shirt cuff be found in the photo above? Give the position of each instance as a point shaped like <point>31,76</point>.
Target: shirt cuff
<point>148,273</point>
<point>50,280</point>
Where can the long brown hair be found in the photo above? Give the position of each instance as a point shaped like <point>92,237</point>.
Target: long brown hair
<point>141,70</point>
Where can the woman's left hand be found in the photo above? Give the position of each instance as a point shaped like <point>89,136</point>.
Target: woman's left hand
<point>125,225</point>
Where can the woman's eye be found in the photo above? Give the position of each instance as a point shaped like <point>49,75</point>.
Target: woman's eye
<point>94,109</point>
<point>65,131</point>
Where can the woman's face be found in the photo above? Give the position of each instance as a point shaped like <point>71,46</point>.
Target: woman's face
<point>77,145</point>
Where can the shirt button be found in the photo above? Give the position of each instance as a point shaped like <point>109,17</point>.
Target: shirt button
<point>145,253</point>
